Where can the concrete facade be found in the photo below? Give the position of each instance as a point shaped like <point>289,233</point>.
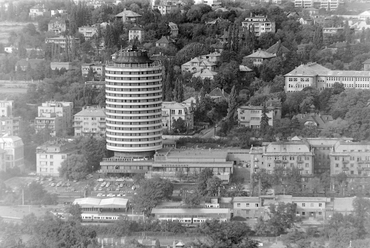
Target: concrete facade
<point>173,111</point>
<point>14,148</point>
<point>90,121</point>
<point>50,156</point>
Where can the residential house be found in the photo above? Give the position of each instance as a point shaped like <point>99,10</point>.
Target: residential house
<point>352,158</point>
<point>259,25</point>
<point>60,65</point>
<point>127,16</point>
<point>311,207</point>
<point>97,68</point>
<point>278,49</point>
<point>136,32</point>
<point>10,49</point>
<point>287,154</point>
<point>55,12</point>
<point>248,207</point>
<point>37,10</point>
<point>166,7</point>
<point>174,29</point>
<point>259,57</point>
<point>14,148</point>
<point>90,121</point>
<point>364,15</point>
<point>318,77</point>
<point>366,64</point>
<point>57,26</point>
<point>205,73</point>
<point>314,119</point>
<point>88,31</point>
<point>200,63</point>
<point>164,42</point>
<point>250,116</point>
<point>218,95</point>
<point>310,12</point>
<point>50,156</point>
<point>173,111</point>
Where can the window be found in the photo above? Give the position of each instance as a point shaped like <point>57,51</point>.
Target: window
<point>51,163</point>
<point>320,204</point>
<point>238,204</point>
<point>51,156</point>
<point>303,204</point>
<point>180,112</point>
<point>247,204</point>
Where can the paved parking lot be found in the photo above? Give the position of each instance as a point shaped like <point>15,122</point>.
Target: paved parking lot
<point>114,187</point>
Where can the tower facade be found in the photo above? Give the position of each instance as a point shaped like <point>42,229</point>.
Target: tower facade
<point>133,103</point>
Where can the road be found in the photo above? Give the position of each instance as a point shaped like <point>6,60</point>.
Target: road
<point>208,133</point>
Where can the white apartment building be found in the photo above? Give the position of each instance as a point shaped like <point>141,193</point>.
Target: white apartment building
<point>318,77</point>
<point>136,33</point>
<point>250,116</point>
<point>37,10</point>
<point>90,121</point>
<point>353,158</point>
<point>8,123</point>
<point>57,116</point>
<point>2,160</point>
<point>259,25</point>
<point>87,31</point>
<point>290,154</point>
<point>303,3</point>
<point>14,148</point>
<point>133,103</point>
<point>173,111</point>
<point>49,156</point>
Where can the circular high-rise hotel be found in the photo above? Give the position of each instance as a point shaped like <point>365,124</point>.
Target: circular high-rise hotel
<point>133,104</point>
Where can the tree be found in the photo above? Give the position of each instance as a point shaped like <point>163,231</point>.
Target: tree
<point>192,199</point>
<point>281,218</point>
<point>225,234</point>
<point>233,103</point>
<point>74,167</point>
<point>213,186</point>
<point>179,125</point>
<point>202,180</point>
<point>264,125</point>
<point>94,150</point>
<point>151,192</point>
<point>75,211</point>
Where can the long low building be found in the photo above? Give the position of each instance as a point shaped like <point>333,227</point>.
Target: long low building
<point>191,215</point>
<point>91,204</point>
<point>318,77</point>
<point>169,163</point>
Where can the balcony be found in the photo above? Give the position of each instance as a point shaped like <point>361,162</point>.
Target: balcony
<point>277,161</point>
<point>345,161</point>
<point>300,161</point>
<point>345,169</point>
<point>285,161</point>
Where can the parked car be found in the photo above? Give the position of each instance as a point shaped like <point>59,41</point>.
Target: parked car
<point>111,195</point>
<point>100,180</point>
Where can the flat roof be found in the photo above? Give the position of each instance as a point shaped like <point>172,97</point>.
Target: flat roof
<point>190,211</point>
<point>101,203</point>
<point>197,153</point>
<point>247,199</point>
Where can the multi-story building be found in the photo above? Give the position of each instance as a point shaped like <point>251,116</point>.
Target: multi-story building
<point>37,10</point>
<point>57,26</point>
<point>259,57</point>
<point>136,33</point>
<point>173,111</point>
<point>49,156</point>
<point>353,158</point>
<point>166,7</point>
<point>330,5</point>
<point>9,124</point>
<point>203,66</point>
<point>290,154</point>
<point>63,41</point>
<point>311,207</point>
<point>88,31</point>
<point>133,104</point>
<point>174,29</point>
<point>57,116</point>
<point>318,77</point>
<point>60,65</point>
<point>258,25</point>
<point>98,69</point>
<point>90,121</point>
<point>128,16</point>
<point>250,116</point>
<point>14,148</point>
<point>2,160</point>
<point>303,3</point>
<point>322,148</point>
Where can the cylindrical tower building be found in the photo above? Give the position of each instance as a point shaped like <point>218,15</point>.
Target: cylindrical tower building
<point>133,104</point>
